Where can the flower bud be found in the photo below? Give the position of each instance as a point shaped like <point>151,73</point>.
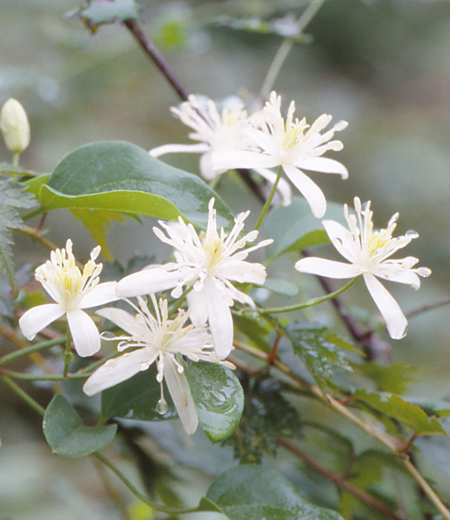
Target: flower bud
<point>15,126</point>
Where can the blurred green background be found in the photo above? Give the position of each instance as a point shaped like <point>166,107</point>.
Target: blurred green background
<point>382,65</point>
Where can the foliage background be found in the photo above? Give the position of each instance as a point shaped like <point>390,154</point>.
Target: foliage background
<point>382,65</point>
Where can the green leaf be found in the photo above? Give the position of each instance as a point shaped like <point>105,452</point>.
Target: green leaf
<point>280,286</point>
<point>12,196</point>
<point>250,492</point>
<point>403,411</point>
<point>68,436</point>
<point>393,378</point>
<point>218,398</point>
<point>294,227</point>
<point>119,176</point>
<point>255,330</point>
<point>97,222</point>
<point>136,398</point>
<point>98,12</point>
<point>320,350</point>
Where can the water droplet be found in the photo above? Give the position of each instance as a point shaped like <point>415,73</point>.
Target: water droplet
<point>161,406</point>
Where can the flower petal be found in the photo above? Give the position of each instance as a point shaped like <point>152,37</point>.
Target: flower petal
<point>198,312</point>
<point>227,160</point>
<point>220,319</point>
<point>343,240</point>
<point>178,148</point>
<point>124,320</point>
<point>322,164</point>
<point>84,333</point>
<point>309,189</point>
<point>99,295</point>
<point>181,396</point>
<point>396,322</point>
<point>119,369</point>
<point>283,186</point>
<point>37,318</point>
<point>328,268</point>
<point>151,280</point>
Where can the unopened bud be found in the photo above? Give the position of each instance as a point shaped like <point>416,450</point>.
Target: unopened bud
<point>15,126</point>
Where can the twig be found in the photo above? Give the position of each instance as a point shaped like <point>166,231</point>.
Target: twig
<point>155,56</point>
<point>429,306</point>
<point>339,480</point>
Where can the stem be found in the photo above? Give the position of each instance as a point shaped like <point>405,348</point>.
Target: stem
<point>429,306</point>
<point>286,47</point>
<point>156,57</point>
<point>29,350</point>
<point>42,377</point>
<point>23,395</point>
<point>68,357</point>
<point>269,198</point>
<point>31,232</point>
<point>310,303</point>
<point>339,480</point>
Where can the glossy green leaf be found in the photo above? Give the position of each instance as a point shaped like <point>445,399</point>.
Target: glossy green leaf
<point>294,227</point>
<point>119,176</point>
<point>320,350</point>
<point>136,398</point>
<point>251,492</point>
<point>68,436</point>
<point>218,398</point>
<point>97,12</point>
<point>403,411</point>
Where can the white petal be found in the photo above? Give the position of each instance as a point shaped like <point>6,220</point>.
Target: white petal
<point>178,148</point>
<point>84,333</point>
<point>396,322</point>
<point>99,295</point>
<point>220,319</point>
<point>37,318</point>
<point>322,164</point>
<point>198,312</point>
<point>124,320</point>
<point>148,281</point>
<point>312,193</point>
<point>406,277</point>
<point>343,240</point>
<point>283,186</point>
<point>181,396</point>
<point>119,369</point>
<point>328,268</point>
<point>227,160</point>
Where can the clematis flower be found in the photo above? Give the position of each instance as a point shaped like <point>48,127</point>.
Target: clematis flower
<point>291,144</point>
<point>72,292</point>
<point>208,264</point>
<point>216,131</point>
<point>156,339</point>
<point>368,252</point>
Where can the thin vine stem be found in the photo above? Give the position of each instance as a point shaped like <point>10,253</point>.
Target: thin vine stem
<point>42,377</point>
<point>269,199</point>
<point>23,395</point>
<point>18,354</point>
<point>68,356</point>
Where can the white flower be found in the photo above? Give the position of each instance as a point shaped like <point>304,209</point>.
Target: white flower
<point>156,339</point>
<point>72,292</point>
<point>208,263</point>
<point>368,252</point>
<point>216,131</point>
<point>291,144</point>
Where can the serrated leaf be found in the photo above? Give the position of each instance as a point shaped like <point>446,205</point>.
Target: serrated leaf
<point>255,330</point>
<point>68,436</point>
<point>294,228</point>
<point>403,411</point>
<point>218,398</point>
<point>250,492</point>
<point>320,350</point>
<point>393,378</point>
<point>120,176</point>
<point>136,398</point>
<point>98,12</point>
<point>12,196</point>
<point>97,222</point>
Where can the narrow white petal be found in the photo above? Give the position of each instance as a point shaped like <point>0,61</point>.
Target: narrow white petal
<point>148,281</point>
<point>84,333</point>
<point>99,295</point>
<point>181,396</point>
<point>309,189</point>
<point>198,312</point>
<point>124,320</point>
<point>37,318</point>
<point>322,164</point>
<point>343,240</point>
<point>328,268</point>
<point>283,186</point>
<point>119,369</point>
<point>226,160</point>
<point>396,322</point>
<point>220,319</point>
<point>406,277</point>
<point>178,148</point>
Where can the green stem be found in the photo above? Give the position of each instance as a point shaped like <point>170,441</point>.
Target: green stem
<point>310,303</point>
<point>269,198</point>
<point>29,350</point>
<point>68,357</point>
<point>43,377</point>
<point>23,395</point>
